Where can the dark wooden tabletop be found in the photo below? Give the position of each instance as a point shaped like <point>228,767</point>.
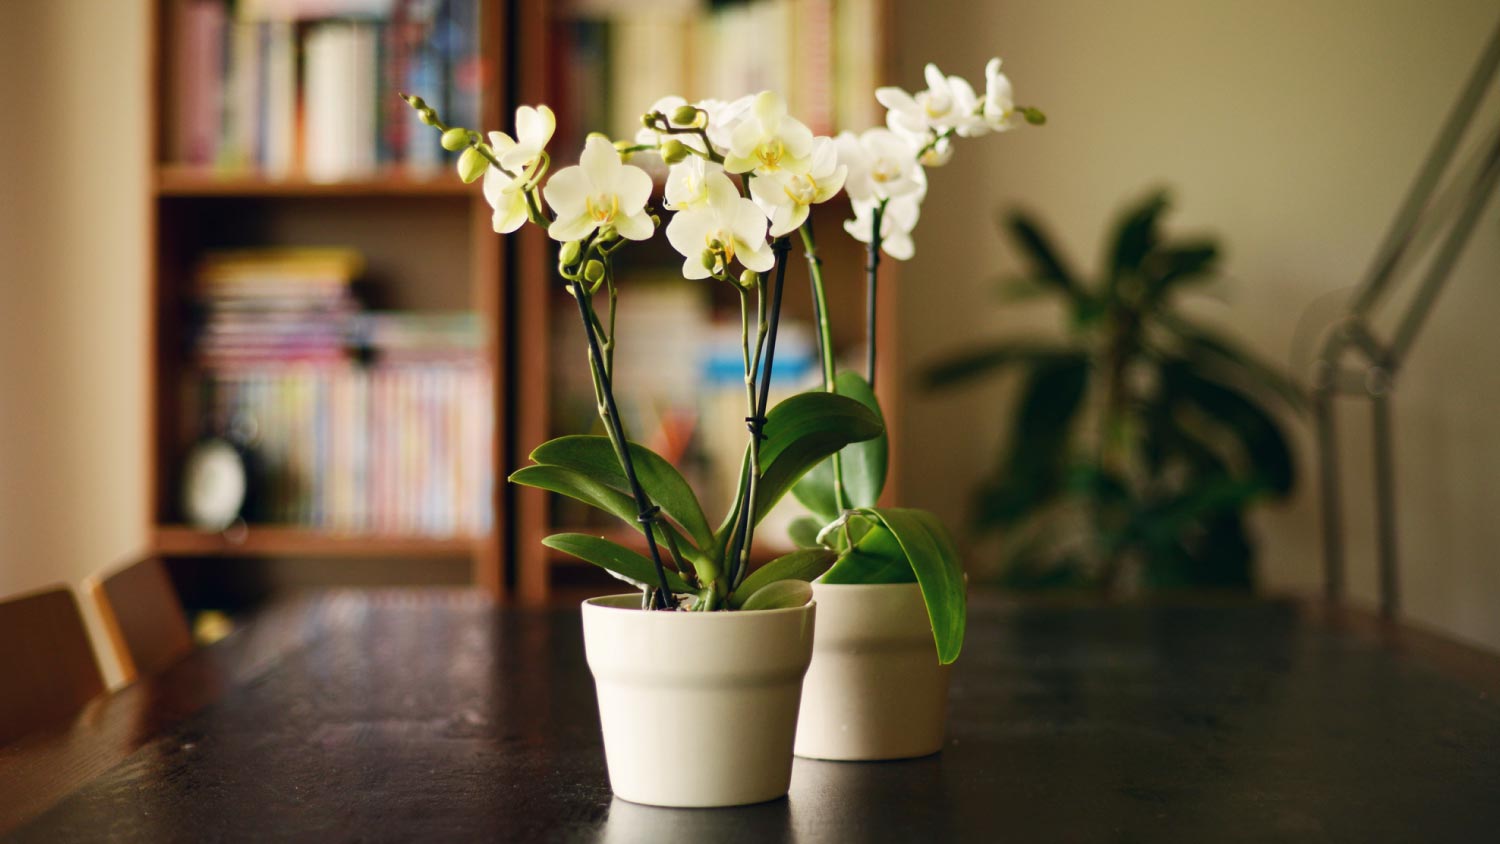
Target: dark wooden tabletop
<point>390,717</point>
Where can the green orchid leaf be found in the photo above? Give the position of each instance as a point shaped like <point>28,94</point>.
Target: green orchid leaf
<point>781,595</point>
<point>803,431</point>
<point>875,557</point>
<point>581,487</point>
<point>864,463</point>
<point>804,531</point>
<point>595,457</point>
<point>803,565</point>
<point>931,553</point>
<point>618,560</point>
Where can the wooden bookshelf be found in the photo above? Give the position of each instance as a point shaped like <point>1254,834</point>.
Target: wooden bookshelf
<point>436,223</point>
<point>542,575</point>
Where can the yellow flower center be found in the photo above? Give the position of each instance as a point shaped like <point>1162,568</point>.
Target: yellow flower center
<point>602,208</point>
<point>802,190</point>
<point>770,153</point>
<point>884,171</point>
<point>720,241</point>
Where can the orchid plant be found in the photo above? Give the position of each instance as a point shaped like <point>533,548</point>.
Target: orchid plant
<point>742,177</point>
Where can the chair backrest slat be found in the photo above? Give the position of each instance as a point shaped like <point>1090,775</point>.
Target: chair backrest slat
<point>143,616</point>
<point>47,665</point>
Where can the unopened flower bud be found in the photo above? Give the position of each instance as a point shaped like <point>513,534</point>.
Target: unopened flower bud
<point>414,101</point>
<point>649,119</point>
<point>593,272</point>
<point>673,151</point>
<point>570,252</point>
<point>716,245</point>
<point>685,115</point>
<point>471,165</point>
<point>1034,116</point>
<point>748,278</point>
<point>428,116</point>
<point>710,260</point>
<point>455,139</point>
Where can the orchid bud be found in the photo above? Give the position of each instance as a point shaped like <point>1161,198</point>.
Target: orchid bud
<point>1034,116</point>
<point>673,151</point>
<point>593,272</point>
<point>455,139</point>
<point>570,253</point>
<point>748,278</point>
<point>428,116</point>
<point>716,245</point>
<point>471,165</point>
<point>710,260</point>
<point>414,101</point>
<point>685,115</point>
<point>649,119</point>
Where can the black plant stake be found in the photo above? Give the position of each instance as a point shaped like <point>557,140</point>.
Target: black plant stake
<point>745,530</point>
<point>872,265</point>
<point>646,512</point>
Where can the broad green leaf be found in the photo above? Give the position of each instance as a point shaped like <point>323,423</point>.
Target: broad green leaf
<point>1207,349</point>
<point>1168,267</point>
<point>581,487</point>
<point>876,557</point>
<point>595,456</point>
<point>815,491</point>
<point>1135,237</point>
<point>1266,449</point>
<point>780,595</point>
<point>996,357</point>
<point>803,565</point>
<point>1037,458</point>
<point>617,559</point>
<point>1047,265</point>
<point>804,531</point>
<point>930,551</point>
<point>864,463</point>
<point>803,431</point>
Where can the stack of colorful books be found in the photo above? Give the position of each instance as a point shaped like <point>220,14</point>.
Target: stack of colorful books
<point>282,87</point>
<point>359,422</point>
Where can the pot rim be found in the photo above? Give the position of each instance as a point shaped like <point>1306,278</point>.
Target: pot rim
<point>596,603</point>
<point>860,587</point>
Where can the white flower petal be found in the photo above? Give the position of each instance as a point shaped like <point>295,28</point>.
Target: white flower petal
<point>575,227</point>
<point>633,187</point>
<point>636,226</point>
<point>600,162</point>
<point>567,191</point>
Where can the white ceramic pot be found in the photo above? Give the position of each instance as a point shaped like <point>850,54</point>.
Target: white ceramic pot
<point>875,689</point>
<point>698,709</point>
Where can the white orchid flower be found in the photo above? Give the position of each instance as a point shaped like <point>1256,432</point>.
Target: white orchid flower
<point>948,103</point>
<point>727,219</point>
<point>503,192</point>
<point>786,196</point>
<point>687,183</point>
<point>534,128</point>
<point>768,140</point>
<point>882,164</point>
<point>600,192</point>
<point>999,109</point>
<point>725,117</point>
<point>896,222</point>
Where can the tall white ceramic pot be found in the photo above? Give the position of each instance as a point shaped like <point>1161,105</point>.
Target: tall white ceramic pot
<point>698,709</point>
<point>875,689</point>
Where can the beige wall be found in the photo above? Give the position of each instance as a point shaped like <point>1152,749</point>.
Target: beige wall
<point>72,315</point>
<point>1292,129</point>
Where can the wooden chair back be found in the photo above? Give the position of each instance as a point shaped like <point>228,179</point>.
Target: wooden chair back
<point>143,617</point>
<point>47,666</point>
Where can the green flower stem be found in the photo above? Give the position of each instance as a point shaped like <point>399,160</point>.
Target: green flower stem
<point>647,512</point>
<point>825,339</point>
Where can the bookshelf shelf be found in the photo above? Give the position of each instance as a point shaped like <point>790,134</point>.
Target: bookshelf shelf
<point>188,181</point>
<point>278,541</point>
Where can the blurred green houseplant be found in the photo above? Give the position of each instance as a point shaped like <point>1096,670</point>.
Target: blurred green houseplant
<point>1141,439</point>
